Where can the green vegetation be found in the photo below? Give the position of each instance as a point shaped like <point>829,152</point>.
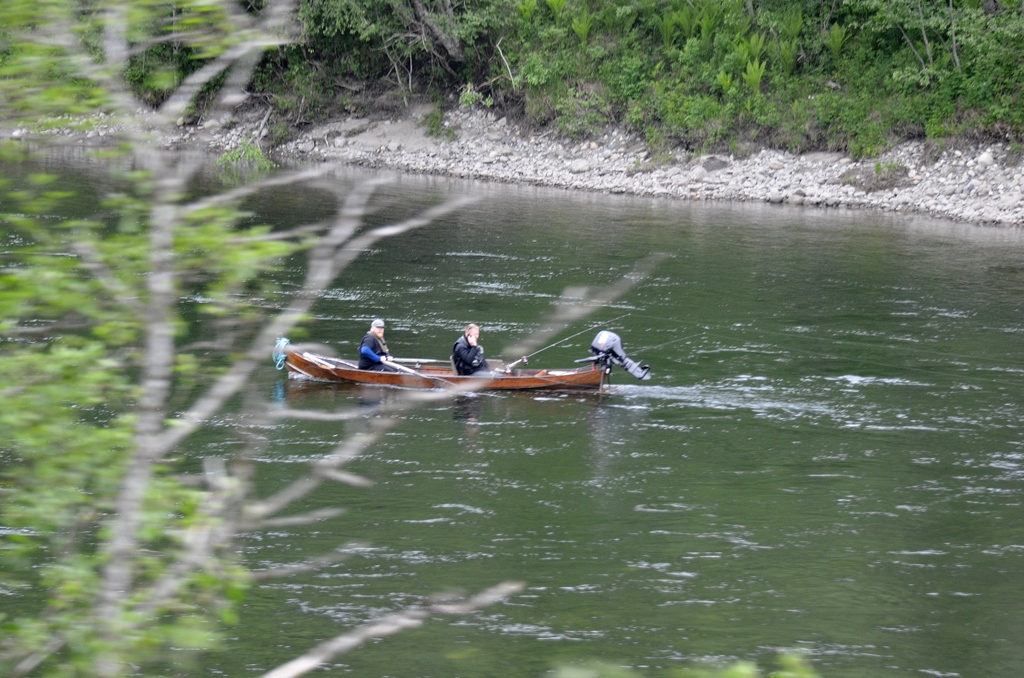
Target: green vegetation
<point>790,666</point>
<point>701,74</point>
<point>434,122</point>
<point>245,161</point>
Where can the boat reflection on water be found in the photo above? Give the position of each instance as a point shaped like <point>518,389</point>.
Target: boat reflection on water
<point>308,393</point>
<point>316,393</point>
<point>466,408</point>
<point>475,410</point>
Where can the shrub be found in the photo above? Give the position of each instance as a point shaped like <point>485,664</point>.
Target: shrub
<point>434,122</point>
<point>580,114</point>
<point>244,161</point>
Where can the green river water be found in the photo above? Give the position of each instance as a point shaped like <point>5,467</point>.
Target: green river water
<point>828,457</point>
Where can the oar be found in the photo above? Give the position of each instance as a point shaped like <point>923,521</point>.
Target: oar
<point>417,360</point>
<point>403,368</point>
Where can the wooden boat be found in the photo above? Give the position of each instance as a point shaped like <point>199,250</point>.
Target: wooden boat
<point>306,365</point>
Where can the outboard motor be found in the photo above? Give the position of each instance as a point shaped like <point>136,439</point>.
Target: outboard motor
<point>607,347</point>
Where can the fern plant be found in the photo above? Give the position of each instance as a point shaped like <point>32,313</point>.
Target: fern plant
<point>753,75</point>
<point>724,81</point>
<point>835,38</point>
<point>791,25</point>
<point>527,9</point>
<point>581,26</point>
<point>685,19</point>
<point>752,48</point>
<point>557,7</point>
<point>787,51</point>
<point>667,28</point>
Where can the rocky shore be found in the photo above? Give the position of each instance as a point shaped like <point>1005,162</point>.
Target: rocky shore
<point>980,184</point>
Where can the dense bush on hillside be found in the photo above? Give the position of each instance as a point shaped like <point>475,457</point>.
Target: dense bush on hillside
<point>853,75</point>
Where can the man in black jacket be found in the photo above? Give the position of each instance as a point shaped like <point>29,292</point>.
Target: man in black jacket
<point>468,354</point>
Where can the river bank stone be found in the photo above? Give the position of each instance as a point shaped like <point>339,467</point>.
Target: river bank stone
<point>980,183</point>
<point>985,183</point>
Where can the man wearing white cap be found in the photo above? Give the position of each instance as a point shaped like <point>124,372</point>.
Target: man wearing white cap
<point>373,351</point>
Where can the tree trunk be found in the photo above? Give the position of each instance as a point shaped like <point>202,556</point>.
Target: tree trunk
<point>449,42</point>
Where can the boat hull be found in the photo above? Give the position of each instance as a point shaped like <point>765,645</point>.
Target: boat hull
<point>305,365</point>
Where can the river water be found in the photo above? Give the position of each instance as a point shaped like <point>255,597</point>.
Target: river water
<point>828,457</point>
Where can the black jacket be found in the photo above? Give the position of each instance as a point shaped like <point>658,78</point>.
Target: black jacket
<point>468,359</point>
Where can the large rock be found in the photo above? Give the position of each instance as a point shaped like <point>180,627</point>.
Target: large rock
<point>713,163</point>
<point>579,166</point>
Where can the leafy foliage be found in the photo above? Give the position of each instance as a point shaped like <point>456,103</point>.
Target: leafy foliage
<point>907,67</point>
<point>74,390</point>
<point>790,666</point>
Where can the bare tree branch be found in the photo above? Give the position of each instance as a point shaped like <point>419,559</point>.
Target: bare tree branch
<point>347,450</point>
<point>345,478</point>
<point>448,41</point>
<point>312,565</point>
<point>304,519</point>
<point>201,541</point>
<point>952,35</point>
<point>505,61</point>
<point>235,195</point>
<point>308,415</point>
<point>410,617</point>
<point>156,384</point>
<point>924,35</point>
<point>256,36</point>
<point>29,663</point>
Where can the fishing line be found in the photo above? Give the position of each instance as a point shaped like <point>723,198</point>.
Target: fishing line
<point>588,329</point>
<point>668,343</point>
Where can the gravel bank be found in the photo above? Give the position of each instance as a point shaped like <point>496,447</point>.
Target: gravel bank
<point>977,184</point>
<point>980,184</point>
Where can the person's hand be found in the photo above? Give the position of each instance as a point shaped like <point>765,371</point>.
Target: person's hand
<point>387,358</point>
<point>471,339</point>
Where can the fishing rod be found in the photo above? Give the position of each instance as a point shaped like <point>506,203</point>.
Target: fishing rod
<point>525,358</point>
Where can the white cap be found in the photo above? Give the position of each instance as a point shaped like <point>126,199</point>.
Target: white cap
<point>377,323</point>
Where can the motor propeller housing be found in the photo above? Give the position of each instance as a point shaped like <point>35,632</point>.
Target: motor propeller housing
<point>607,347</point>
